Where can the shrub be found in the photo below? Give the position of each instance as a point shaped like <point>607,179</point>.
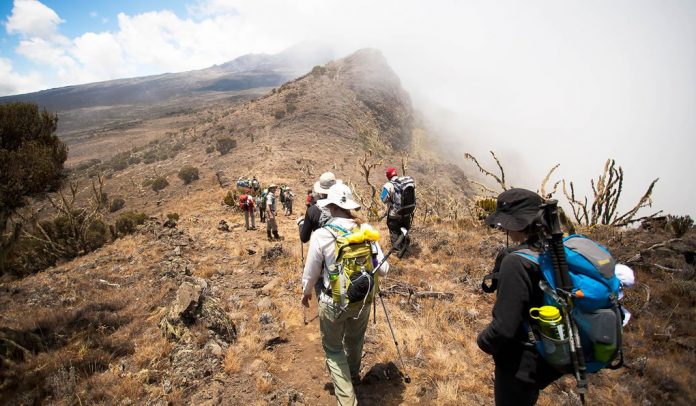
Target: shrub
<point>188,174</point>
<point>225,144</point>
<point>97,235</point>
<point>279,114</point>
<point>486,206</point>
<point>230,199</point>
<point>173,216</point>
<point>134,160</point>
<point>159,184</point>
<point>127,222</point>
<point>117,204</point>
<point>679,225</point>
<point>209,149</point>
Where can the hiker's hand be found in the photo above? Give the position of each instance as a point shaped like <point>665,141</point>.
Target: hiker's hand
<point>305,300</point>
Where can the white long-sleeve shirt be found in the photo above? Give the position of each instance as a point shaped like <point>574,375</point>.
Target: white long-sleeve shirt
<point>322,251</point>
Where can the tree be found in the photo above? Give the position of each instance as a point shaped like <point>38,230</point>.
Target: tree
<point>188,174</point>
<point>225,144</point>
<point>31,162</point>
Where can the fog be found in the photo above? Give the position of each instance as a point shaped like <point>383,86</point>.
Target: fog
<point>548,82</point>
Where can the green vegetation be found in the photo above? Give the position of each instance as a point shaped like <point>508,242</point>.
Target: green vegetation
<point>31,162</point>
<point>173,216</point>
<point>209,149</point>
<point>128,221</point>
<point>188,174</point>
<point>159,184</point>
<point>679,225</point>
<point>225,144</point>
<point>117,204</point>
<point>230,199</point>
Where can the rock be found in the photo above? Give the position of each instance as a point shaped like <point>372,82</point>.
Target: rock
<point>256,366</point>
<point>272,253</point>
<point>177,251</point>
<point>215,349</point>
<point>266,318</point>
<point>169,223</point>
<point>250,251</point>
<point>214,317</point>
<point>264,304</point>
<point>188,298</point>
<point>223,226</point>
<point>266,290</point>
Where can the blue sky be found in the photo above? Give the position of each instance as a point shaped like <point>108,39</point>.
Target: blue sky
<point>539,81</point>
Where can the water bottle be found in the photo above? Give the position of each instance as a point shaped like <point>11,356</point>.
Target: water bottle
<point>555,346</point>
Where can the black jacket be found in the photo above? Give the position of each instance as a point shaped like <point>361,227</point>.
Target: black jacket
<point>506,337</point>
<point>311,222</point>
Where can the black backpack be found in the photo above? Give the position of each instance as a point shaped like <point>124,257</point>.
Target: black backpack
<point>404,198</point>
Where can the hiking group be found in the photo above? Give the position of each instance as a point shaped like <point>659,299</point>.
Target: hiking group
<point>253,199</point>
<point>557,309</point>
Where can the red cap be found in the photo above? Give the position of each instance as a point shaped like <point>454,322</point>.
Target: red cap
<point>391,172</point>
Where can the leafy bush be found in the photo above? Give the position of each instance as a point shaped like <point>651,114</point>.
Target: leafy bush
<point>188,174</point>
<point>679,225</point>
<point>209,149</point>
<point>134,160</point>
<point>173,216</point>
<point>97,234</point>
<point>159,184</point>
<point>117,204</point>
<point>485,207</point>
<point>279,114</point>
<point>230,199</point>
<point>225,144</point>
<point>128,221</point>
<point>31,162</point>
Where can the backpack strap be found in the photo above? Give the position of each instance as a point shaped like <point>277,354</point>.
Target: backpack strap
<point>528,254</point>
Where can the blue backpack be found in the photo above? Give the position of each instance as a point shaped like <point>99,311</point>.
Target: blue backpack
<point>595,303</point>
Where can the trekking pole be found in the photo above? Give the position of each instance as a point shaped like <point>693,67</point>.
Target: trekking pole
<point>407,378</point>
<point>564,287</point>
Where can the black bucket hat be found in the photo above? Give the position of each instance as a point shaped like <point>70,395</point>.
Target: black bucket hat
<point>515,209</point>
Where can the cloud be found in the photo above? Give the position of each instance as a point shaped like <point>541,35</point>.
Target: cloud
<point>31,18</point>
<point>12,82</point>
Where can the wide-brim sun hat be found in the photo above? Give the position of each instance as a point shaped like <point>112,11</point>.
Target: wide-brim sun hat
<point>340,195</point>
<point>515,209</point>
<point>272,185</point>
<point>326,180</point>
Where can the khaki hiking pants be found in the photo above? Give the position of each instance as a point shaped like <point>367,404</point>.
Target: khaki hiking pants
<point>247,214</point>
<point>342,337</point>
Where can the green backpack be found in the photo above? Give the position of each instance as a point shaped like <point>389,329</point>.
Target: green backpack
<point>351,277</point>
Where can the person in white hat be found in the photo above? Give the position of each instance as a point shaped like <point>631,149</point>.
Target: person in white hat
<point>315,217</point>
<point>342,331</point>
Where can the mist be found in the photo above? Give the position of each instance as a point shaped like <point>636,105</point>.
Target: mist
<point>549,82</point>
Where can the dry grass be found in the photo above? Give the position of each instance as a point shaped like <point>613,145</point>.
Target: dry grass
<point>232,363</point>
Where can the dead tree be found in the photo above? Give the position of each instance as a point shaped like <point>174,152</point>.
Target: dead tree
<point>542,189</point>
<point>499,179</point>
<point>606,191</point>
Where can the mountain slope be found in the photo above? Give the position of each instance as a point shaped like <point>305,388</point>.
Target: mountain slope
<point>193,314</point>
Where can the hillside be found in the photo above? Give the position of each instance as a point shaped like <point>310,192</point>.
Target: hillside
<point>192,314</point>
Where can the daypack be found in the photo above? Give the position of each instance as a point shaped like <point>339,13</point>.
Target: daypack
<point>245,202</point>
<point>403,202</point>
<point>264,199</point>
<point>350,277</point>
<point>282,194</point>
<point>255,184</point>
<point>595,305</point>
<point>243,183</point>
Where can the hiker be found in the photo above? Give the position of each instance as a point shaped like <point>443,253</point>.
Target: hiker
<point>246,203</point>
<point>316,217</point>
<point>289,197</point>
<point>271,225</point>
<point>400,207</point>
<point>342,330</point>
<point>255,185</point>
<point>520,372</point>
<point>309,199</point>
<point>261,205</point>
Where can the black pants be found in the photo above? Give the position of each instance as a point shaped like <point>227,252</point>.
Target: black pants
<point>395,224</point>
<point>519,376</point>
<point>509,390</point>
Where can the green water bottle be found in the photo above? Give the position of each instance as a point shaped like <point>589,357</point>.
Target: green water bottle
<point>554,340</point>
<point>550,321</point>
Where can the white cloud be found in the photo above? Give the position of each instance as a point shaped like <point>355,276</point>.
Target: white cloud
<point>12,82</point>
<point>31,18</point>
